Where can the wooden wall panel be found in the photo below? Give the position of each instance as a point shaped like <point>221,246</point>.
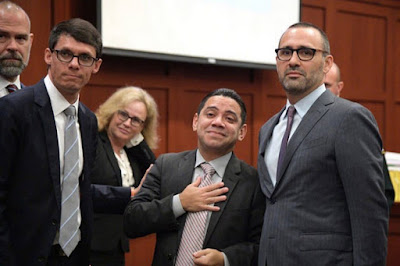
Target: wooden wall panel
<point>395,54</point>
<point>314,14</point>
<point>40,26</point>
<point>364,78</point>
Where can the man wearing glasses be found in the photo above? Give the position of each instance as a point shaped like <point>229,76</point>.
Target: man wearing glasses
<point>320,167</point>
<point>47,148</point>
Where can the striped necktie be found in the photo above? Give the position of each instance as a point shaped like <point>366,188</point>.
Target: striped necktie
<point>195,225</point>
<point>69,226</point>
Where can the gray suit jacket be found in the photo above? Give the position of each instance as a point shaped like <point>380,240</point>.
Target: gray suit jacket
<point>235,229</point>
<point>328,206</point>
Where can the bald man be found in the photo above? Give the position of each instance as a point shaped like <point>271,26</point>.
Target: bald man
<point>332,80</point>
<point>15,45</point>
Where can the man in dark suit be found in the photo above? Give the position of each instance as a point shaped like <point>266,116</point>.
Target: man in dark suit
<point>325,200</point>
<point>15,46</point>
<point>32,175</point>
<point>173,193</point>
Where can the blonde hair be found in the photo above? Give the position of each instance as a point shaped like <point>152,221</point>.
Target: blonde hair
<point>119,100</point>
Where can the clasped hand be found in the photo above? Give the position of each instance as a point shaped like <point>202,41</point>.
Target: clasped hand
<point>194,198</point>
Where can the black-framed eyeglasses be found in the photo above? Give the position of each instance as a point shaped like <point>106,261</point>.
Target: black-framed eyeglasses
<point>67,56</point>
<point>303,53</point>
<point>135,121</point>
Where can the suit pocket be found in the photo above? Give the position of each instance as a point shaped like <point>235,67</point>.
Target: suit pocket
<point>322,241</point>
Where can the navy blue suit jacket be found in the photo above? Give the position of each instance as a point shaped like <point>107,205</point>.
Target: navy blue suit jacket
<point>30,194</point>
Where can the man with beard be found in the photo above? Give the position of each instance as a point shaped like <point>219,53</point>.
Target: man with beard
<point>15,45</point>
<point>320,167</point>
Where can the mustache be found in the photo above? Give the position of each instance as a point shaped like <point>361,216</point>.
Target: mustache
<point>11,55</point>
<point>296,69</point>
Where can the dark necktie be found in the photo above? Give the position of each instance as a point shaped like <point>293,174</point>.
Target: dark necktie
<point>69,227</point>
<point>290,115</point>
<point>11,88</point>
<point>194,229</point>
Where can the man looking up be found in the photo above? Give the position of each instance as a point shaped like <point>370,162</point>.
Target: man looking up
<point>15,45</point>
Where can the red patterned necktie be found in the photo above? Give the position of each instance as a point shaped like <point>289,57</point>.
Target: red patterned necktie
<point>11,88</point>
<point>194,230</point>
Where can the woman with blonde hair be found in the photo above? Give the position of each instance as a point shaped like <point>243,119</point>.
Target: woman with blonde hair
<point>127,123</point>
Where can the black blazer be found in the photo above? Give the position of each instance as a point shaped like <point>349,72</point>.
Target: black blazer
<point>30,194</point>
<point>108,233</point>
<point>235,229</point>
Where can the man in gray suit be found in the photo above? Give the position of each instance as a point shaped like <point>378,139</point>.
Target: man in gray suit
<point>172,194</point>
<point>325,202</point>
<point>334,83</point>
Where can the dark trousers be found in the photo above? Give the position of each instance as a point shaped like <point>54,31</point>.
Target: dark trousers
<point>107,258</point>
<point>79,257</point>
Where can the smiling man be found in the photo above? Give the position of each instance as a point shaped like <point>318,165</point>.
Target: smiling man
<point>320,167</point>
<point>205,205</point>
<point>47,149</point>
<point>15,45</point>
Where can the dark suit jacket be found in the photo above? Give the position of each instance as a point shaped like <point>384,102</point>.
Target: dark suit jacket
<point>108,232</point>
<point>328,206</point>
<point>234,230</point>
<point>30,195</point>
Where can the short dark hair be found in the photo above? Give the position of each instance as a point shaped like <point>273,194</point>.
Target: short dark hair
<point>226,93</point>
<point>325,41</point>
<point>81,30</point>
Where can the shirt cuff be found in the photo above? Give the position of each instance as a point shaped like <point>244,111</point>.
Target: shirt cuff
<point>226,261</point>
<point>177,206</point>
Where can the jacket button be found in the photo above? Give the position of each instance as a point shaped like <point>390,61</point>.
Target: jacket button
<point>41,259</point>
<point>54,222</point>
<point>272,200</point>
<point>170,256</point>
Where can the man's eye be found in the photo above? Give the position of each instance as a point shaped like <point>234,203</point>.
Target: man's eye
<point>85,57</point>
<point>65,53</point>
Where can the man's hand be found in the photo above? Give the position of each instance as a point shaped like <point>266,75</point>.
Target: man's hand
<point>194,199</point>
<point>209,257</point>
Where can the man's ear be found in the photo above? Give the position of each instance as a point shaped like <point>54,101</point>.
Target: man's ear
<point>242,132</point>
<point>194,123</point>
<point>97,65</point>
<point>340,86</point>
<point>47,56</point>
<point>328,63</point>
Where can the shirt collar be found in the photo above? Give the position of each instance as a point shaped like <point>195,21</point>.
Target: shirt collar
<point>58,102</point>
<point>4,82</point>
<point>305,104</point>
<point>218,164</point>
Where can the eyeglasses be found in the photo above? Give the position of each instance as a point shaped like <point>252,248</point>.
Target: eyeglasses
<point>67,56</point>
<point>135,121</point>
<point>304,53</point>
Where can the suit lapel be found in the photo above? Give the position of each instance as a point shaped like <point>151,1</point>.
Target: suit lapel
<point>231,178</point>
<point>265,180</point>
<point>111,157</point>
<point>185,171</point>
<point>314,114</point>
<point>42,100</point>
<point>87,139</point>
